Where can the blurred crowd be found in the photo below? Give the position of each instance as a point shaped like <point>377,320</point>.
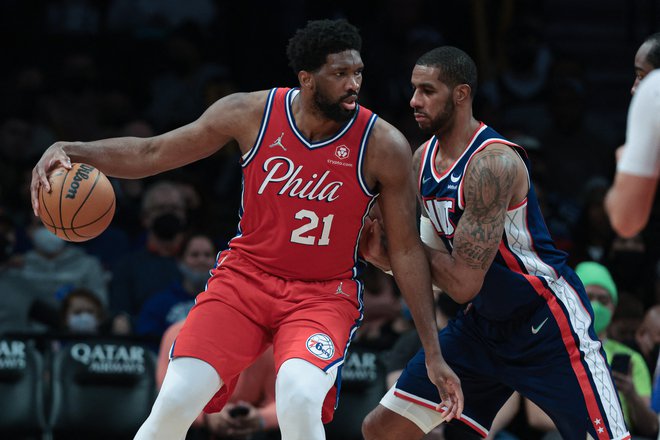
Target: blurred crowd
<point>85,70</point>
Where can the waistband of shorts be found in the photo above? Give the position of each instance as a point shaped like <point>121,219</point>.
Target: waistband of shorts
<point>245,259</point>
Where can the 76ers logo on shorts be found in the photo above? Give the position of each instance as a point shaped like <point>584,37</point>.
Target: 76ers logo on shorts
<point>321,346</point>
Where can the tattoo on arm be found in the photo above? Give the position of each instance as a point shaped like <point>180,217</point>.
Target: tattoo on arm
<point>488,188</point>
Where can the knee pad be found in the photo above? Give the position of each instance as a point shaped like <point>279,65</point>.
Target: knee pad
<point>189,384</point>
<point>300,389</point>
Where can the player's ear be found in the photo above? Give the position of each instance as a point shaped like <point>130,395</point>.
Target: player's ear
<point>462,93</point>
<point>306,79</point>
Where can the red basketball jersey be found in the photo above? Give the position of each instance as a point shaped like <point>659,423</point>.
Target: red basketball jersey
<point>304,203</point>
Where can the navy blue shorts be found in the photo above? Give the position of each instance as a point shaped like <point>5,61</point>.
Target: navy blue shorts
<point>552,357</point>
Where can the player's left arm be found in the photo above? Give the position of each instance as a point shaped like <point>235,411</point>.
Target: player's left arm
<point>389,167</point>
<point>492,179</point>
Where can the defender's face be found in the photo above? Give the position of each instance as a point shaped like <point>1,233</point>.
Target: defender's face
<point>338,83</point>
<point>642,66</point>
<point>432,101</point>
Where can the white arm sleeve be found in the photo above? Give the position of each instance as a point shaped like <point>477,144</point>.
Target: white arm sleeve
<point>428,234</point>
<point>641,156</point>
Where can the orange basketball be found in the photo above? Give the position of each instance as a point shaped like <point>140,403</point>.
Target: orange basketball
<point>80,205</point>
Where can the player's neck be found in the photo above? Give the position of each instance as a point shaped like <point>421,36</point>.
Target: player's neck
<point>310,121</point>
<point>453,141</point>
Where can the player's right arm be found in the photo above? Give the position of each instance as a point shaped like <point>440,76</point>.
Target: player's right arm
<point>494,178</point>
<point>630,199</point>
<point>236,116</point>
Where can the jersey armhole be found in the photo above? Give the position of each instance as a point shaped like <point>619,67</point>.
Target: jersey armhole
<point>363,149</point>
<point>249,155</point>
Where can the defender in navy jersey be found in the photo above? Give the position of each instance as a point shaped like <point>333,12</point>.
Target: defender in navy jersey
<point>527,326</point>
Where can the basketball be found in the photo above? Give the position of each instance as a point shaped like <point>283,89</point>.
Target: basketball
<point>80,205</point>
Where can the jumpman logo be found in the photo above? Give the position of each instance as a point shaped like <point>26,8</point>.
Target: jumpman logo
<point>340,291</point>
<point>277,142</point>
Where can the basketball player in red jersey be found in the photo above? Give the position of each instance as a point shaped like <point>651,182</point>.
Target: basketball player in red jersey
<point>313,163</point>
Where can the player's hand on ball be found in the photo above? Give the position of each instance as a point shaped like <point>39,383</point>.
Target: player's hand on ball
<point>54,157</point>
<point>449,387</point>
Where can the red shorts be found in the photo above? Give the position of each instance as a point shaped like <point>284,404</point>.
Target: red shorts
<point>244,310</point>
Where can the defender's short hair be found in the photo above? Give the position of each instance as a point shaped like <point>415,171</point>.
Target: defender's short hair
<point>456,67</point>
<point>309,47</point>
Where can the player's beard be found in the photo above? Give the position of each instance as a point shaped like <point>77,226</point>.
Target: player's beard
<point>442,122</point>
<point>333,110</point>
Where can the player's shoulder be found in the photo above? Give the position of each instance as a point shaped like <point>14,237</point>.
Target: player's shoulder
<point>245,101</point>
<point>236,110</point>
<point>497,149</point>
<point>386,138</point>
<point>419,150</point>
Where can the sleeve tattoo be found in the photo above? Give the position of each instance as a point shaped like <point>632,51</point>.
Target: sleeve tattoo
<point>488,190</point>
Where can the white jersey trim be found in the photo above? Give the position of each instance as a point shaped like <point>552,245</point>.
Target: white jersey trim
<point>590,348</point>
<point>291,94</point>
<point>249,155</point>
<point>519,241</point>
<point>363,150</point>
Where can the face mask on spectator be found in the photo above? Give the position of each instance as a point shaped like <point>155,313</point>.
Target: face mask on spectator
<point>602,316</point>
<point>196,278</point>
<point>46,242</point>
<point>83,322</point>
<point>166,226</point>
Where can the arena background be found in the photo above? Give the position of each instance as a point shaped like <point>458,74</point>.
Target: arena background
<point>555,76</point>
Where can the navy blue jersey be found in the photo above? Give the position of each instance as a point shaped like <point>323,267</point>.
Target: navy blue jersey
<point>530,326</point>
<point>526,257</point>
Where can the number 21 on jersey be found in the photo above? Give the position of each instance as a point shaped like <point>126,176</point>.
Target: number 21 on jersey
<point>307,234</point>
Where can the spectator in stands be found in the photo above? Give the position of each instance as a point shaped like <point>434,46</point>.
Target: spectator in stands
<point>627,319</point>
<point>152,268</point>
<point>173,304</point>
<point>19,303</point>
<point>55,264</point>
<point>592,235</point>
<point>178,91</point>
<point>81,312</point>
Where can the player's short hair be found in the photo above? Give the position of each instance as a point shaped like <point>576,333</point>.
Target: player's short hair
<point>308,48</point>
<point>653,57</point>
<point>456,67</point>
